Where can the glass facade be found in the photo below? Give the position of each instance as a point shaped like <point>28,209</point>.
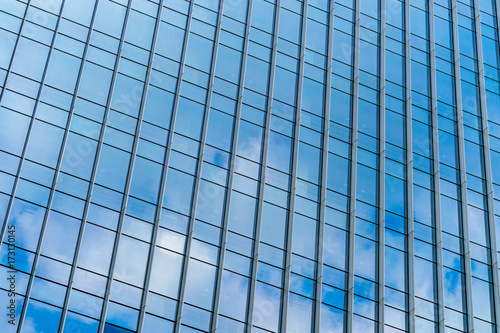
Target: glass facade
<point>249,166</point>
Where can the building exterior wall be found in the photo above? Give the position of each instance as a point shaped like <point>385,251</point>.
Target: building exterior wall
<point>249,166</point>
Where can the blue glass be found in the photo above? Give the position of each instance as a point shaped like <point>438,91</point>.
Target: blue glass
<point>234,294</point>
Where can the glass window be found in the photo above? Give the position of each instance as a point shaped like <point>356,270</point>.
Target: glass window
<point>368,118</point>
<point>313,97</point>
<point>42,317</point>
<point>266,312</point>
<point>12,138</point>
<point>265,19</point>
<point>395,195</point>
<point>367,184</point>
<point>332,319</point>
<point>340,110</point>
<point>121,316</point>
<point>290,26</point>
<point>199,53</point>
<point>228,63</point>
<point>97,246</point>
<point>95,83</point>
<point>75,321</point>
<point>30,59</point>
<point>482,296</point>
<point>242,214</point>
<point>274,221</point>
<point>285,86</point>
<point>27,219</point>
<point>365,258</point>
<point>316,36</point>
<point>178,191</point>
<point>7,43</point>
<point>125,294</point>
<point>474,159</point>
<point>110,24</point>
<point>299,314</point>
<point>395,268</point>
<point>63,71</point>
<point>210,207</point>
<point>445,88</point>
<point>343,47</point>
<point>338,171</point>
<point>146,180</point>
<point>158,109</point>
<point>60,227</point>
<point>140,29</point>
<point>256,77</point>
<point>166,272</point>
<point>335,247</point>
<point>189,118</point>
<point>85,304</point>
<point>425,277</point>
<point>79,11</point>
<point>155,324</point>
<point>131,261</point>
<point>44,144</point>
<point>200,284</point>
<point>304,236</point>
<point>478,220</point>
<point>127,95</point>
<point>250,141</point>
<point>368,57</point>
<point>170,41</point>
<point>309,163</point>
<point>395,72</point>
<point>419,78</point>
<point>280,149</point>
<point>234,294</point>
<point>220,130</point>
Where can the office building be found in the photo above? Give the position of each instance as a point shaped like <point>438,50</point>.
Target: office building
<point>249,166</point>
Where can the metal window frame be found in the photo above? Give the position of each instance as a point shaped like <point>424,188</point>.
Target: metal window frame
<point>353,175</point>
<point>293,182</point>
<point>487,165</point>
<point>324,170</point>
<point>436,172</point>
<point>463,174</point>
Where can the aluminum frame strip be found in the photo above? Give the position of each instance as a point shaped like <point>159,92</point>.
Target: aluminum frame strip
<point>436,171</point>
<point>409,172</point>
<point>487,165</point>
<point>381,209</point>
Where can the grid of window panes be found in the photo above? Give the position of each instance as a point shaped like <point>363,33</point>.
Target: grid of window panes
<point>250,165</point>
